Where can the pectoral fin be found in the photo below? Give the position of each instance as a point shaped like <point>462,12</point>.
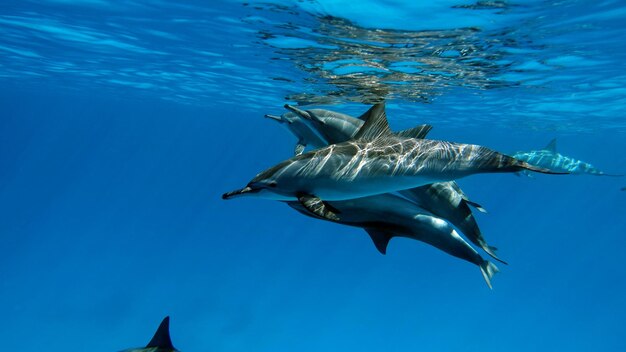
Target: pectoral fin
<point>380,238</point>
<point>299,148</point>
<point>318,207</point>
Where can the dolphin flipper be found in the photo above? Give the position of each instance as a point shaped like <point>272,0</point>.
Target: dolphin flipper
<point>161,339</point>
<point>317,206</point>
<point>475,205</point>
<point>380,238</point>
<point>299,148</point>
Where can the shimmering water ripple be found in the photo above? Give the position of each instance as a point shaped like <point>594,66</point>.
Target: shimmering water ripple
<point>556,65</point>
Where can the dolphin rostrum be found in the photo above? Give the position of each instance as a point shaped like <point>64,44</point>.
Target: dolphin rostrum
<point>376,161</point>
<point>548,157</point>
<point>160,342</point>
<point>387,215</point>
<point>443,199</point>
<point>301,129</point>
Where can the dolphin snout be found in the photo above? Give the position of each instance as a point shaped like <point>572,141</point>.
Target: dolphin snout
<point>238,192</point>
<point>302,113</point>
<point>274,117</point>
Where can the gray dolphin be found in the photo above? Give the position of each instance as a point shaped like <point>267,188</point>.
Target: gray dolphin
<point>386,216</point>
<point>548,157</point>
<point>376,161</point>
<point>300,128</point>
<point>444,199</point>
<point>160,342</point>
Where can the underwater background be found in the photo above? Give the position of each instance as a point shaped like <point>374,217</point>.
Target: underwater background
<point>123,123</point>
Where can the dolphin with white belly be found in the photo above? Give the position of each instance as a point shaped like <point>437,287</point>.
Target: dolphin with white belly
<point>160,342</point>
<point>376,161</point>
<point>444,199</point>
<point>548,157</point>
<point>387,215</point>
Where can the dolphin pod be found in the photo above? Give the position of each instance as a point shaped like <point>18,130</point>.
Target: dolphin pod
<point>160,342</point>
<point>443,199</point>
<point>387,215</point>
<point>348,181</point>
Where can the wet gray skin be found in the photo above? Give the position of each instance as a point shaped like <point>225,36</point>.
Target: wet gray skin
<point>385,216</point>
<point>307,136</point>
<point>160,342</point>
<point>444,199</point>
<point>375,162</point>
<point>548,157</point>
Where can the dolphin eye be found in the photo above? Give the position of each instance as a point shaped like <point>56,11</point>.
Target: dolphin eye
<point>272,184</point>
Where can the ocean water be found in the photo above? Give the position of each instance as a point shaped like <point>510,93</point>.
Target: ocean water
<point>122,123</point>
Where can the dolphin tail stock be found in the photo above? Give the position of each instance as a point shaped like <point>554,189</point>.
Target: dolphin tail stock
<point>609,175</point>
<point>488,269</point>
<point>491,250</point>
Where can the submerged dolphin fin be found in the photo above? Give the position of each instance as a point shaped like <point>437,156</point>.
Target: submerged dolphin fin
<point>318,207</point>
<point>475,205</point>
<point>299,148</point>
<point>551,146</point>
<point>380,238</point>
<point>488,269</point>
<point>375,125</point>
<point>418,132</point>
<point>161,338</point>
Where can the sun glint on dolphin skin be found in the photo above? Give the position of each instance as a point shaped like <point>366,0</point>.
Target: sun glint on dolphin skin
<point>375,162</point>
<point>386,216</point>
<point>160,342</point>
<point>444,199</point>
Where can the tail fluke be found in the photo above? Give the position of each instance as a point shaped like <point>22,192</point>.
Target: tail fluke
<point>488,269</point>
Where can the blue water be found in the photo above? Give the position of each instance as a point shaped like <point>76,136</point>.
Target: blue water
<point>123,123</point>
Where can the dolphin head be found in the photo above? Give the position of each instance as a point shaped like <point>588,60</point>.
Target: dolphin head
<point>286,118</point>
<point>266,184</point>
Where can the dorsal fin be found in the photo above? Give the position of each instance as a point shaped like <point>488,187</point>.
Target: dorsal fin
<point>551,146</point>
<point>418,132</point>
<point>375,125</point>
<point>380,238</point>
<point>161,338</point>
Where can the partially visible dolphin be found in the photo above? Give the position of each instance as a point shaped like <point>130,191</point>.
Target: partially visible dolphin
<point>548,157</point>
<point>386,216</point>
<point>301,129</point>
<point>376,161</point>
<point>160,342</point>
<point>444,199</point>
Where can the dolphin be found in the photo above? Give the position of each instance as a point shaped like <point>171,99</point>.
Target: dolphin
<point>160,342</point>
<point>387,215</point>
<point>376,161</point>
<point>444,199</point>
<point>301,129</point>
<point>548,157</point>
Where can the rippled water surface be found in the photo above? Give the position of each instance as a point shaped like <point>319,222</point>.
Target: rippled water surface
<point>123,122</point>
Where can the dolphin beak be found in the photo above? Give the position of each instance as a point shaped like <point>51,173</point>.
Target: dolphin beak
<point>239,192</point>
<point>300,112</point>
<point>274,117</point>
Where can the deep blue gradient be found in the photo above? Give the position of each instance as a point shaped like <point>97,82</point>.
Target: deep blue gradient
<point>122,125</point>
